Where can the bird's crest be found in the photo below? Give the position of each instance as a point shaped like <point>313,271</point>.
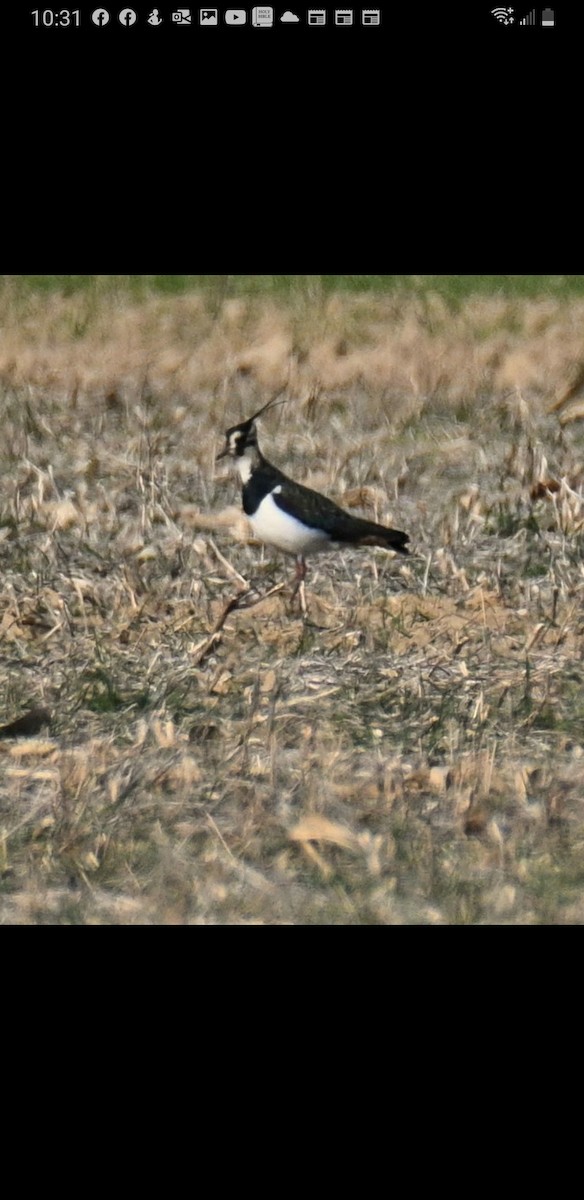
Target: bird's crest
<point>238,437</point>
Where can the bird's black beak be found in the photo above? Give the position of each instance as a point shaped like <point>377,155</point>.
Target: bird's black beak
<point>222,455</point>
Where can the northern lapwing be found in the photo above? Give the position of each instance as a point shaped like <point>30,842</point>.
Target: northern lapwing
<point>291,517</point>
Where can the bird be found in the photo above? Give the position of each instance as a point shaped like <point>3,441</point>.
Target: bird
<point>291,517</point>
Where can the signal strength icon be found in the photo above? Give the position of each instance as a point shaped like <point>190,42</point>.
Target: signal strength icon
<point>529,19</point>
<point>504,15</point>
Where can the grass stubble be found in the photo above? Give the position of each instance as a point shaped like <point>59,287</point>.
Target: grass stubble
<point>413,754</point>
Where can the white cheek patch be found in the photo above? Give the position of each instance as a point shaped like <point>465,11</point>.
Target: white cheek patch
<point>244,467</point>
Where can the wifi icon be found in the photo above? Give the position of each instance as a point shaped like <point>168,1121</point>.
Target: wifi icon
<point>504,15</point>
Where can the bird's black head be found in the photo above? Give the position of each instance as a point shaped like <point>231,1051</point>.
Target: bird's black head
<point>238,439</point>
<point>243,438</point>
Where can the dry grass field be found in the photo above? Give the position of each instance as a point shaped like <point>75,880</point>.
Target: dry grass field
<point>413,753</point>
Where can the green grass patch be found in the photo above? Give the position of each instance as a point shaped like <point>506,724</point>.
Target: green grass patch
<point>452,288</point>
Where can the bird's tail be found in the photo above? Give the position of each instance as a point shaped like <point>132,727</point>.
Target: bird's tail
<point>380,535</point>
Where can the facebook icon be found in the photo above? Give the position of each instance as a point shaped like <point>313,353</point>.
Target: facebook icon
<point>127,16</point>
<point>100,17</point>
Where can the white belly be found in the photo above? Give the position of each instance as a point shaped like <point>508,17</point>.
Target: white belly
<point>278,529</point>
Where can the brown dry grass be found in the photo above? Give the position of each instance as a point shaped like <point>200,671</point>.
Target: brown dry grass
<point>414,752</point>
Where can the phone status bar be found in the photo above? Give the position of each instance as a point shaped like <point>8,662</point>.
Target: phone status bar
<point>499,21</point>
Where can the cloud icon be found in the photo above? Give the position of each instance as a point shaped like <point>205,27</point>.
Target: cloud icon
<point>289,16</point>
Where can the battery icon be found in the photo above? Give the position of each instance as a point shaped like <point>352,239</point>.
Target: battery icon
<point>547,17</point>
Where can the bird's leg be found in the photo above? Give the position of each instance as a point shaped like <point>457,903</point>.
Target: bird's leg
<point>299,583</point>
